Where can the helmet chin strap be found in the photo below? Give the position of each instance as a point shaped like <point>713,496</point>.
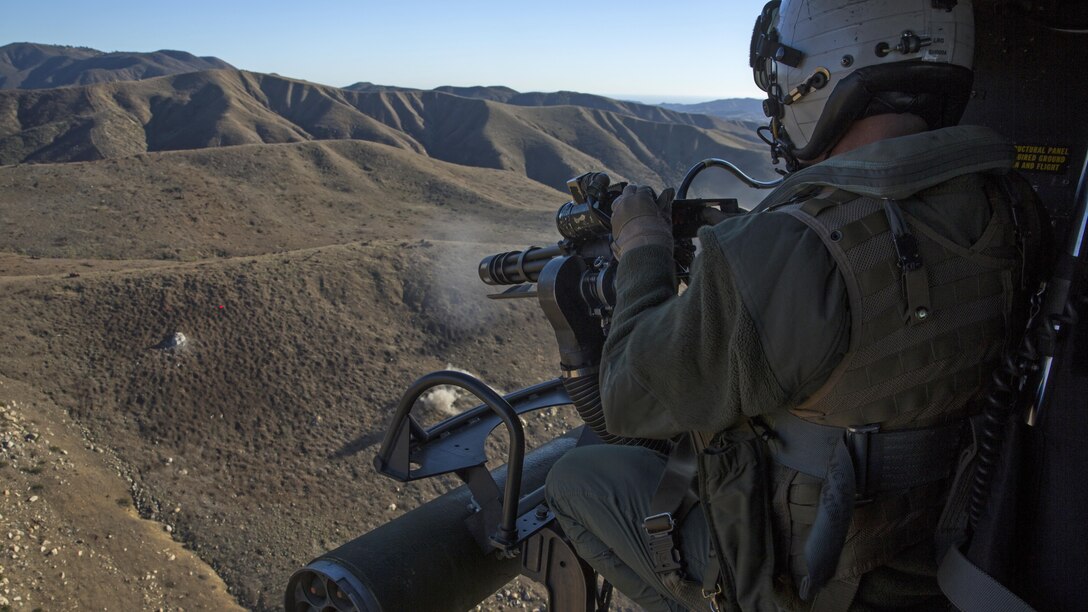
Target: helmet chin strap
<point>773,134</point>
<point>782,147</point>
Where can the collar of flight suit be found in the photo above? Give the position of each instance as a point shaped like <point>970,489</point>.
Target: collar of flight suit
<point>897,168</point>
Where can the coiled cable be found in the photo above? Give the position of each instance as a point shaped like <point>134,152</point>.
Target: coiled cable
<point>585,394</point>
<point>1003,397</point>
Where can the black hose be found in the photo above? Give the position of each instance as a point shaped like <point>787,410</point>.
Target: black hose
<point>585,394</point>
<point>694,171</point>
<point>1002,398</point>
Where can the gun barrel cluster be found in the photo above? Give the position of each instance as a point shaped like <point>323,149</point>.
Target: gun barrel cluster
<point>516,267</point>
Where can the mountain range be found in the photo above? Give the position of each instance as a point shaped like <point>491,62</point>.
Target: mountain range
<point>35,66</point>
<point>225,107</point>
<point>732,109</point>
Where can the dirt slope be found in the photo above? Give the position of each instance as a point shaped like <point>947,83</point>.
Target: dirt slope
<point>71,535</point>
<point>254,438</point>
<point>663,113</point>
<point>259,199</point>
<point>312,281</point>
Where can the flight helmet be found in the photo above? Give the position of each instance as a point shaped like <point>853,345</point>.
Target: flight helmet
<point>827,63</point>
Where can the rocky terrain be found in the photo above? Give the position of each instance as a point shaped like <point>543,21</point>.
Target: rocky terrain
<point>69,532</point>
<point>298,339</point>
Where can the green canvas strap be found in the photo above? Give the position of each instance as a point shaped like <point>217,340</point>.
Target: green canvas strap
<point>910,264</point>
<point>857,232</point>
<point>671,502</point>
<point>815,207</point>
<point>968,587</point>
<point>824,201</point>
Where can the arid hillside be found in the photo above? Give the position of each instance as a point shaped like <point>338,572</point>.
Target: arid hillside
<point>36,66</point>
<point>311,281</point>
<point>227,107</point>
<point>736,109</point>
<point>257,199</point>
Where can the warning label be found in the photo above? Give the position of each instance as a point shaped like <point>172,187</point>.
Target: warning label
<point>1031,158</point>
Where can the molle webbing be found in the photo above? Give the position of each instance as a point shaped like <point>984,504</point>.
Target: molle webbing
<point>927,316</point>
<point>963,291</point>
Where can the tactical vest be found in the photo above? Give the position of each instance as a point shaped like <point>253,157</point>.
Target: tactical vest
<point>861,466</point>
<point>928,317</point>
<point>929,321</point>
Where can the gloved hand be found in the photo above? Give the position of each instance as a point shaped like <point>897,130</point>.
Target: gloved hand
<point>640,217</point>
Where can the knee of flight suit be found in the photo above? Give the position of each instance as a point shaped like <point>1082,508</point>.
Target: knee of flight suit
<point>603,474</point>
<point>570,473</point>
<point>600,494</point>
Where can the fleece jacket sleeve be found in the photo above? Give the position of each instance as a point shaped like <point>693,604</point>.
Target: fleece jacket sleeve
<point>762,324</point>
<point>675,363</point>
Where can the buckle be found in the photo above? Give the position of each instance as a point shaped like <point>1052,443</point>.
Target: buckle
<point>906,251</point>
<point>857,442</point>
<point>659,524</point>
<point>712,597</point>
<point>663,551</point>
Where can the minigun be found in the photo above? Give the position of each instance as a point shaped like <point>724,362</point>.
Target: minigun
<point>454,551</point>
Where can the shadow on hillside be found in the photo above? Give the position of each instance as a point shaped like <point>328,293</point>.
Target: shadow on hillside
<point>356,445</point>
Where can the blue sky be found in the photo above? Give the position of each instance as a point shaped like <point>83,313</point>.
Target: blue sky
<point>687,50</point>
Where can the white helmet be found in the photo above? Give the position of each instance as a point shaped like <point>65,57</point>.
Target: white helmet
<point>827,63</point>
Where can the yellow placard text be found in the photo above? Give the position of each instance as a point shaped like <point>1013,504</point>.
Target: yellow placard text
<point>1039,158</point>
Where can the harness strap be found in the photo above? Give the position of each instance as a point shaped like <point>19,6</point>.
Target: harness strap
<point>966,585</point>
<point>674,497</point>
<point>886,460</point>
<point>915,279</point>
